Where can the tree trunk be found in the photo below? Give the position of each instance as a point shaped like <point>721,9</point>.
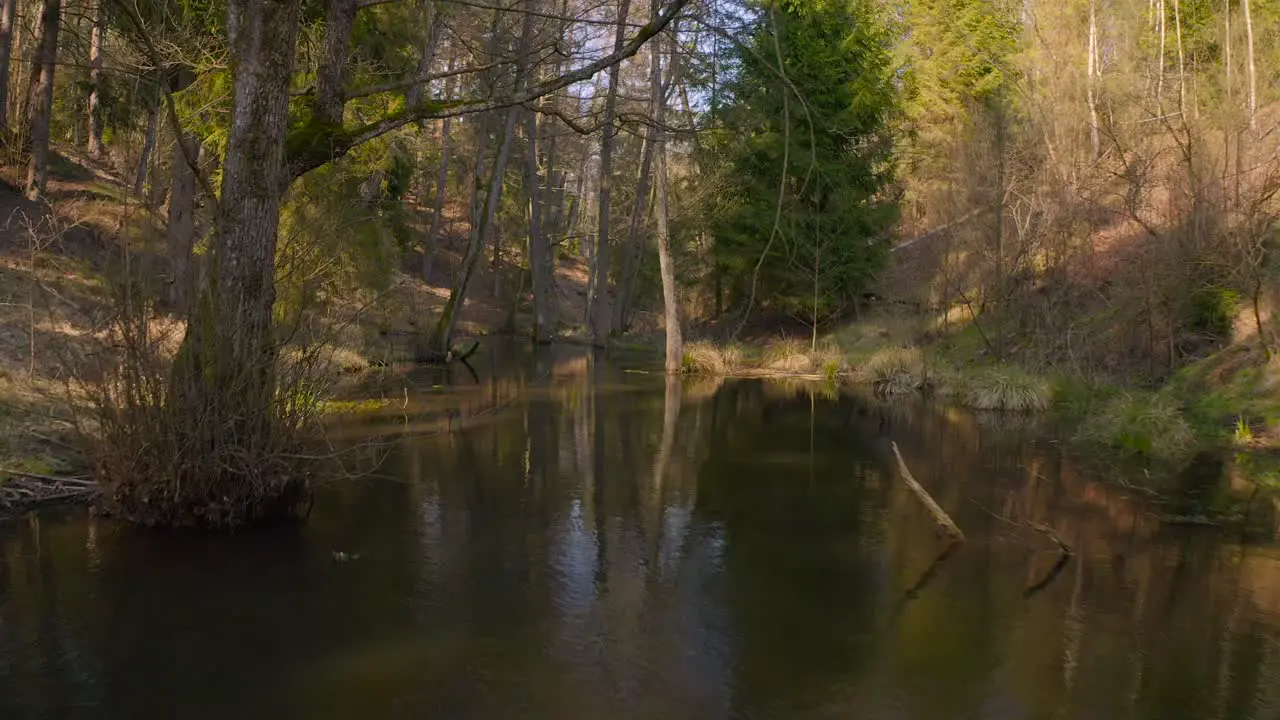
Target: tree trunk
<point>1182,66</point>
<point>224,378</point>
<point>148,147</point>
<point>598,315</point>
<point>540,256</point>
<point>181,231</point>
<point>670,298</point>
<point>442,189</point>
<point>438,348</point>
<point>44,63</point>
<point>1094,142</point>
<point>96,64</point>
<point>428,57</point>
<point>634,243</point>
<point>1160,59</point>
<point>330,97</point>
<point>8,27</point>
<point>1253,81</point>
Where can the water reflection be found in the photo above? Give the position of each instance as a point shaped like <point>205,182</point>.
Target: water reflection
<point>601,543</point>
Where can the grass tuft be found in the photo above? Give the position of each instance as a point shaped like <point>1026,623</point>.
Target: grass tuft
<point>702,358</point>
<point>895,371</point>
<point>1151,425</point>
<point>1004,388</point>
<point>789,355</point>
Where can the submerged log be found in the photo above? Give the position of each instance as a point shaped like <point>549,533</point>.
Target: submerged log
<point>939,515</point>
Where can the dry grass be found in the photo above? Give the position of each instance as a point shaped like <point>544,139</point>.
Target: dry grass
<point>895,371</point>
<point>704,358</point>
<point>788,355</point>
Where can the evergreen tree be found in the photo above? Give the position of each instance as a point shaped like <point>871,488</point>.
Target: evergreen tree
<point>807,143</point>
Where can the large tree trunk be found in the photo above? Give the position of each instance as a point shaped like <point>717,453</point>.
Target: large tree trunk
<point>41,107</point>
<point>96,63</point>
<point>225,379</point>
<point>181,231</point>
<point>330,97</point>
<point>8,28</point>
<point>442,337</point>
<point>670,296</point>
<point>598,315</point>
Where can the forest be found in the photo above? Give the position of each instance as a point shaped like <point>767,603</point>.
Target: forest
<point>214,204</point>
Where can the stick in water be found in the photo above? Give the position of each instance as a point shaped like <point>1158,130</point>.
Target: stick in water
<point>939,515</point>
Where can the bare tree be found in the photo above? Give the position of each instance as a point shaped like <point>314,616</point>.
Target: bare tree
<point>40,112</point>
<point>598,316</point>
<point>8,16</point>
<point>670,293</point>
<point>96,64</point>
<point>1092,80</point>
<point>1253,81</point>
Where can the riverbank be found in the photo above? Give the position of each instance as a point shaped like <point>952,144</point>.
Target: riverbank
<point>1228,401</point>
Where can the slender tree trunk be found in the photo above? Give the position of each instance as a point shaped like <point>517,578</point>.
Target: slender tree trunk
<point>1160,59</point>
<point>224,379</point>
<point>1182,66</point>
<point>442,190</point>
<point>330,97</point>
<point>428,57</point>
<point>1253,81</point>
<point>540,257</point>
<point>8,28</point>
<point>181,231</point>
<point>634,244</point>
<point>670,297</point>
<point>598,316</point>
<point>41,108</point>
<point>148,146</point>
<point>443,334</point>
<point>1094,142</point>
<point>96,64</point>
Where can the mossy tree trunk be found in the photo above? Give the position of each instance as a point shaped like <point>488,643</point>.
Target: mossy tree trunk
<point>224,382</point>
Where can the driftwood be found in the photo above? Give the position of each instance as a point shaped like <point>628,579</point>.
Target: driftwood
<point>939,515</point>
<point>24,491</point>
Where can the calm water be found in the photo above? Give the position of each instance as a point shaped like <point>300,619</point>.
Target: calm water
<point>590,543</point>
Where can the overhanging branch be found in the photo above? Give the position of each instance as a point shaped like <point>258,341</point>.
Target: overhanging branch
<point>311,147</point>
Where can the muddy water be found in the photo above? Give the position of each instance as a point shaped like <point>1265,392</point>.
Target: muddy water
<point>561,538</point>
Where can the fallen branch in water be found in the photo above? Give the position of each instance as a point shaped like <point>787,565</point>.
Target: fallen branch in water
<point>1065,553</point>
<point>939,515</point>
<point>25,490</point>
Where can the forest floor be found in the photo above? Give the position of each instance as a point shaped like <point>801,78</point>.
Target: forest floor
<point>61,262</point>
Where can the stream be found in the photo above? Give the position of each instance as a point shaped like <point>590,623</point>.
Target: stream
<point>556,536</point>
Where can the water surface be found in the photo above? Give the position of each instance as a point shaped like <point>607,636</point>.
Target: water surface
<point>561,538</point>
